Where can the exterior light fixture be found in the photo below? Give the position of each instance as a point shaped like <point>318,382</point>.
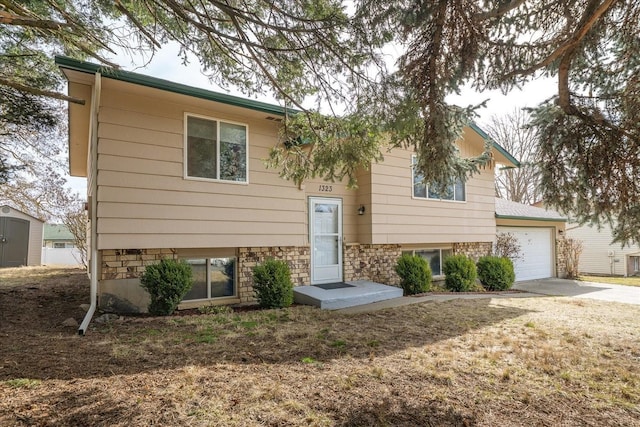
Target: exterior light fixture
<point>361,210</point>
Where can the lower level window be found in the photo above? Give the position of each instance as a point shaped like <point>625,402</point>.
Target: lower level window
<point>212,278</point>
<point>435,258</point>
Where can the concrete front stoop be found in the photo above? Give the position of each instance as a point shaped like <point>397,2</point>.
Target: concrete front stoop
<point>359,292</point>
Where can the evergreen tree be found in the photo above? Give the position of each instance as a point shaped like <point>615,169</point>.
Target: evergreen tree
<point>302,50</point>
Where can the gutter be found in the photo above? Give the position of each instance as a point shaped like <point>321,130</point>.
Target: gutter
<point>93,205</point>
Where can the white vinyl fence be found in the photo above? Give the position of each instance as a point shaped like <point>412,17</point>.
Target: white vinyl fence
<point>61,256</point>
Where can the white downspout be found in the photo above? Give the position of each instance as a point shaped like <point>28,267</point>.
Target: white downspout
<point>93,204</point>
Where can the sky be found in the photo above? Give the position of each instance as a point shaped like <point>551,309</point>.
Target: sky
<point>166,64</point>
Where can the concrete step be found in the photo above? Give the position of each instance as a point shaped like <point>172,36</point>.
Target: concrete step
<point>358,293</point>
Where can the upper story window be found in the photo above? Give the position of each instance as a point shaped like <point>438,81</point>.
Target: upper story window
<point>215,149</point>
<point>454,191</point>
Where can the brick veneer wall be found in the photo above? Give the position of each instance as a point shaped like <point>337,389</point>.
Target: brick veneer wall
<point>130,263</point>
<point>473,250</point>
<point>298,258</point>
<point>371,262</point>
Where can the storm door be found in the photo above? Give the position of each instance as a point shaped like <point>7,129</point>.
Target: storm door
<point>325,235</point>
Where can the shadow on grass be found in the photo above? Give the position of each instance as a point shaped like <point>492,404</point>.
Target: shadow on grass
<point>35,346</point>
<point>400,413</point>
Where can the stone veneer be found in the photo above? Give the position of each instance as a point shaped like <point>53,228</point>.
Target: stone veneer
<point>298,258</point>
<point>473,250</point>
<point>360,262</point>
<point>561,257</point>
<point>371,262</point>
<point>130,263</point>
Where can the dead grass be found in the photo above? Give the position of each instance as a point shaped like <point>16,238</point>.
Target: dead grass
<point>539,361</point>
<point>614,280</point>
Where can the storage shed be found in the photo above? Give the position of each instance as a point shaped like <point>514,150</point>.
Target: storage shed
<point>20,238</point>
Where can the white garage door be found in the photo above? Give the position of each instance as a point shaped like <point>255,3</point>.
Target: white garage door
<point>536,258</point>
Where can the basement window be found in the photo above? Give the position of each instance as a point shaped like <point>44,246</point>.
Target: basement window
<point>435,258</point>
<point>212,278</point>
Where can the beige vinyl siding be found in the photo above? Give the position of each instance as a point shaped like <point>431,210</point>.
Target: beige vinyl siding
<point>144,200</point>
<point>339,190</point>
<point>596,246</point>
<point>398,217</point>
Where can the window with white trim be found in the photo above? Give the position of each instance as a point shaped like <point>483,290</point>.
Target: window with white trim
<point>212,278</point>
<point>435,258</point>
<point>215,149</point>
<point>454,191</point>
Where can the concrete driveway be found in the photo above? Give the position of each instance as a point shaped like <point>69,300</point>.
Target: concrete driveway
<point>577,289</point>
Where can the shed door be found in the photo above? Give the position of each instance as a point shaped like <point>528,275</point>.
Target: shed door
<point>14,242</point>
<point>325,220</point>
<point>537,252</point>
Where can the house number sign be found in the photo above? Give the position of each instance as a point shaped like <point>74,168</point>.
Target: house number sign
<point>325,188</point>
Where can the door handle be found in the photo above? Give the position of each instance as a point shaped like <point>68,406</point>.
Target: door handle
<point>2,239</point>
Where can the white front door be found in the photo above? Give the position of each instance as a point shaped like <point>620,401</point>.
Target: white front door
<point>325,236</point>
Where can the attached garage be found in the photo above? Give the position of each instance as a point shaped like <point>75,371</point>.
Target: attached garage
<point>537,252</point>
<point>20,238</point>
<point>536,230</point>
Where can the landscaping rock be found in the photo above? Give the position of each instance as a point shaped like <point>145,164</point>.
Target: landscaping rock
<point>85,307</point>
<point>70,322</point>
<point>106,318</point>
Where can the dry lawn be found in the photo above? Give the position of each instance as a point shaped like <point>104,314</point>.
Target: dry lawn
<point>489,362</point>
<point>614,280</point>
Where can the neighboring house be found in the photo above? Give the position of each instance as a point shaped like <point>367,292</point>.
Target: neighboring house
<point>540,233</point>
<point>59,247</point>
<point>174,171</point>
<point>600,256</point>
<point>20,238</point>
<point>57,236</point>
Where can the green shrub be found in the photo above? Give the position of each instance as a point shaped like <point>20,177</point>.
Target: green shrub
<point>272,284</point>
<point>459,273</point>
<point>496,273</point>
<point>415,274</point>
<point>167,283</point>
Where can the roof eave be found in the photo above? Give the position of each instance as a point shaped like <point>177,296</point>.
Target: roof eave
<point>65,62</point>
<point>531,218</point>
<point>497,146</point>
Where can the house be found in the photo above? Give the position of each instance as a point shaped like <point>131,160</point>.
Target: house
<point>57,236</point>
<point>58,247</point>
<point>602,257</point>
<point>541,236</point>
<point>175,171</point>
<point>20,238</point>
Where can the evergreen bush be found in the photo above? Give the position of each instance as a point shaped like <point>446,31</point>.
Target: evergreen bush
<point>415,274</point>
<point>459,273</point>
<point>167,283</point>
<point>272,284</point>
<point>496,273</point>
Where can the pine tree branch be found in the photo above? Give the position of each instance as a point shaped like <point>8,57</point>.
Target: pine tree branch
<point>40,92</point>
<point>24,21</point>
<point>570,44</point>
<point>500,11</point>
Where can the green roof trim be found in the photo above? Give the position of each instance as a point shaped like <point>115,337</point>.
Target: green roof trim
<point>156,83</point>
<point>531,218</point>
<point>498,147</point>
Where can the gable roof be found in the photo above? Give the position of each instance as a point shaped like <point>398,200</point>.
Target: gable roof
<point>497,146</point>
<point>507,209</point>
<point>57,232</point>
